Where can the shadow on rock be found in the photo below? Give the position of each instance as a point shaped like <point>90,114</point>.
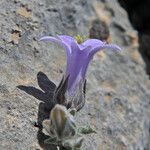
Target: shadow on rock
<point>46,96</point>
<point>138,12</point>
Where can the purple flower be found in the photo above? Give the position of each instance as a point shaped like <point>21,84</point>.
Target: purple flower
<point>78,57</point>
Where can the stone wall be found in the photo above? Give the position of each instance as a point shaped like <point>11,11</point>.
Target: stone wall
<point>118,88</point>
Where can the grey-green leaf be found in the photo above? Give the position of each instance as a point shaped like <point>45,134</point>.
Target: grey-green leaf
<point>86,130</point>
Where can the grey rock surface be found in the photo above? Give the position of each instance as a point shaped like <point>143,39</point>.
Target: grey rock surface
<point>118,89</point>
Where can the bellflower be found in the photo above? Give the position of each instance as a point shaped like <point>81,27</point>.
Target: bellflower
<point>79,56</point>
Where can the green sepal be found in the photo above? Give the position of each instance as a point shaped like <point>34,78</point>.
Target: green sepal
<point>74,143</point>
<point>73,112</point>
<point>52,140</point>
<point>86,130</point>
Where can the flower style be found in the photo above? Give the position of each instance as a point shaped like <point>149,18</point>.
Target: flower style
<point>79,56</point>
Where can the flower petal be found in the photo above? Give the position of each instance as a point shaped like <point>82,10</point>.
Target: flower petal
<point>103,46</point>
<point>78,65</point>
<point>50,39</point>
<point>61,43</point>
<point>66,39</point>
<point>58,41</point>
<point>112,46</point>
<point>72,64</point>
<point>93,43</point>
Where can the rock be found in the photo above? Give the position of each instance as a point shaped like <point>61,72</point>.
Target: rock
<point>99,30</point>
<point>118,88</point>
<point>23,12</point>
